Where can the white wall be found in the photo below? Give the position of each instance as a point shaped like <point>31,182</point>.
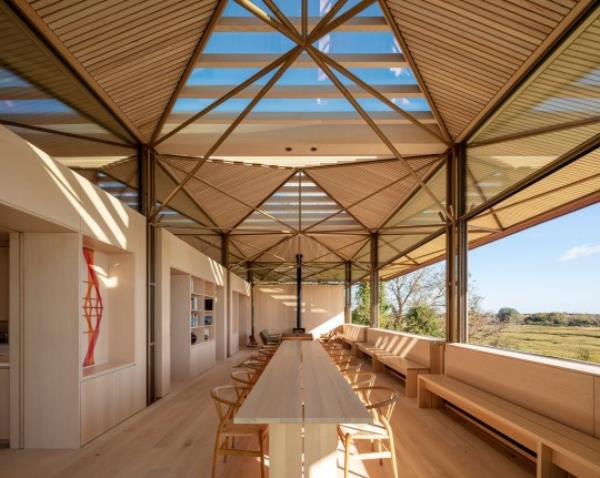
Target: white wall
<point>48,203</point>
<point>173,253</point>
<point>3,283</point>
<point>275,308</point>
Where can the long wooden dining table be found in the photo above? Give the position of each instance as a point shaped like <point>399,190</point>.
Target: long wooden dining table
<point>303,397</point>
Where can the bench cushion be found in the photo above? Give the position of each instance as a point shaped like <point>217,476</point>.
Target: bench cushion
<point>526,427</point>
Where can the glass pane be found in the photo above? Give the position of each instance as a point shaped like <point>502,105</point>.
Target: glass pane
<point>535,291</point>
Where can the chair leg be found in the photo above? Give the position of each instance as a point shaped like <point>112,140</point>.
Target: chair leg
<point>380,449</point>
<point>347,442</point>
<point>393,454</point>
<point>215,456</point>
<point>225,446</point>
<point>261,447</point>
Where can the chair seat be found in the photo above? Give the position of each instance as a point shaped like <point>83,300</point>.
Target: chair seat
<point>233,429</point>
<point>363,431</point>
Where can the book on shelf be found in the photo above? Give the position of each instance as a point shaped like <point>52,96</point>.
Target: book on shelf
<point>208,320</point>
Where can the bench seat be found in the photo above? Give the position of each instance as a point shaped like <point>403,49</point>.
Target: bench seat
<point>556,445</point>
<point>371,350</point>
<point>406,367</point>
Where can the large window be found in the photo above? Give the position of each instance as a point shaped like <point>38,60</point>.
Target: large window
<point>537,291</point>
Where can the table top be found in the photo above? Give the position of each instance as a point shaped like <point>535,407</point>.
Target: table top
<point>302,385</point>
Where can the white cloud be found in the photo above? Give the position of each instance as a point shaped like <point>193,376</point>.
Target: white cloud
<point>577,252</point>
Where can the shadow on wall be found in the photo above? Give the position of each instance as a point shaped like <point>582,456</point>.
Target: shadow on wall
<point>104,216</point>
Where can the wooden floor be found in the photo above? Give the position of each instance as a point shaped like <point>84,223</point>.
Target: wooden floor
<point>174,439</point>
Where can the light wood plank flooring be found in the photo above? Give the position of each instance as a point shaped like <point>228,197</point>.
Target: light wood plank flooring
<point>174,439</point>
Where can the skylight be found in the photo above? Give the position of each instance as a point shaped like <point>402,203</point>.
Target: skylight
<point>304,109</point>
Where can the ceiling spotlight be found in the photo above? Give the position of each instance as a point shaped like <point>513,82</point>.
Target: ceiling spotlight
<point>288,149</point>
<point>313,149</point>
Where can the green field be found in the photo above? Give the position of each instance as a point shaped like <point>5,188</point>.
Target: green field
<point>575,343</point>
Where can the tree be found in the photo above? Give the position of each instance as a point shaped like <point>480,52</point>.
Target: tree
<point>508,314</point>
<point>361,313</point>
<point>422,319</point>
<point>483,328</point>
<point>424,286</point>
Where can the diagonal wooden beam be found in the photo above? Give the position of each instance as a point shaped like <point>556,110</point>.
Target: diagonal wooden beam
<point>304,25</point>
<point>336,201</point>
<point>166,168</point>
<point>273,23</point>
<point>432,172</point>
<point>384,99</point>
<point>318,33</point>
<point>266,198</point>
<point>283,19</point>
<point>244,203</point>
<point>368,196</point>
<point>359,109</point>
<point>413,66</point>
<point>189,67</point>
<point>329,15</point>
<point>231,93</point>
<point>291,56</point>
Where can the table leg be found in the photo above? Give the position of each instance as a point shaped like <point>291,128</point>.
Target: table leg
<point>320,450</point>
<point>285,450</point>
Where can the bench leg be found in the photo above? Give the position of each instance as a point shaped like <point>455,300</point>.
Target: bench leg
<point>545,467</point>
<point>410,383</point>
<point>359,353</point>
<point>376,365</point>
<point>354,349</point>
<point>426,399</point>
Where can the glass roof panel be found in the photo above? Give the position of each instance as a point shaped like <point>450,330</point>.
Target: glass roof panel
<point>316,8</point>
<point>358,42</point>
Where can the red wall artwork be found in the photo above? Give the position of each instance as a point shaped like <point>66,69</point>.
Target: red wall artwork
<point>92,306</point>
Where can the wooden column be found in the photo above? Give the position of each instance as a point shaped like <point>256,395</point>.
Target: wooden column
<point>299,290</point>
<point>374,283</point>
<point>348,293</point>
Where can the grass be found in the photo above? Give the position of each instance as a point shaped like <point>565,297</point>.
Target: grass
<point>574,343</point>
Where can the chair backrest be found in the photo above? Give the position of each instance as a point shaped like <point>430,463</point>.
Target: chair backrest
<point>360,379</point>
<point>382,409</point>
<point>228,399</point>
<point>264,335</point>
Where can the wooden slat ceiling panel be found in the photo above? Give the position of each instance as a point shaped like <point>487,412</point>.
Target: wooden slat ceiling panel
<point>366,180</point>
<point>26,56</point>
<point>234,181</point>
<point>122,44</point>
<point>565,89</point>
<point>467,50</point>
<point>498,166</point>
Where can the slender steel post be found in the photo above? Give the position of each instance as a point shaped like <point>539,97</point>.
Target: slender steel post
<point>463,247</point>
<point>348,292</point>
<point>298,291</point>
<point>374,293</point>
<point>146,192</point>
<point>250,279</point>
<point>225,250</point>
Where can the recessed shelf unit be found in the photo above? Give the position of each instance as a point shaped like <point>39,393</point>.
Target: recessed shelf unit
<point>193,318</point>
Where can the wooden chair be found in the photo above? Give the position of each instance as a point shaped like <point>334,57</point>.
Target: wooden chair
<point>227,400</point>
<point>245,378</point>
<point>377,433</point>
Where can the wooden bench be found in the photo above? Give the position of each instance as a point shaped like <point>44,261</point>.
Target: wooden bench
<point>371,350</point>
<point>409,369</point>
<point>558,447</point>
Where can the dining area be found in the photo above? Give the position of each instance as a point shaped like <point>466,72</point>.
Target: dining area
<point>304,408</point>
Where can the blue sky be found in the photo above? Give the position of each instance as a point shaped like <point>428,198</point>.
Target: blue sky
<point>552,267</point>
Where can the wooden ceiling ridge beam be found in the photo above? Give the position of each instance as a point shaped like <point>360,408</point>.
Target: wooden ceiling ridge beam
<point>198,49</point>
<point>266,198</point>
<point>290,57</point>
<point>415,69</point>
<point>320,32</point>
<point>384,99</point>
<point>432,172</point>
<point>359,109</point>
<point>24,11</point>
<point>235,90</point>
<point>283,19</point>
<point>167,169</point>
